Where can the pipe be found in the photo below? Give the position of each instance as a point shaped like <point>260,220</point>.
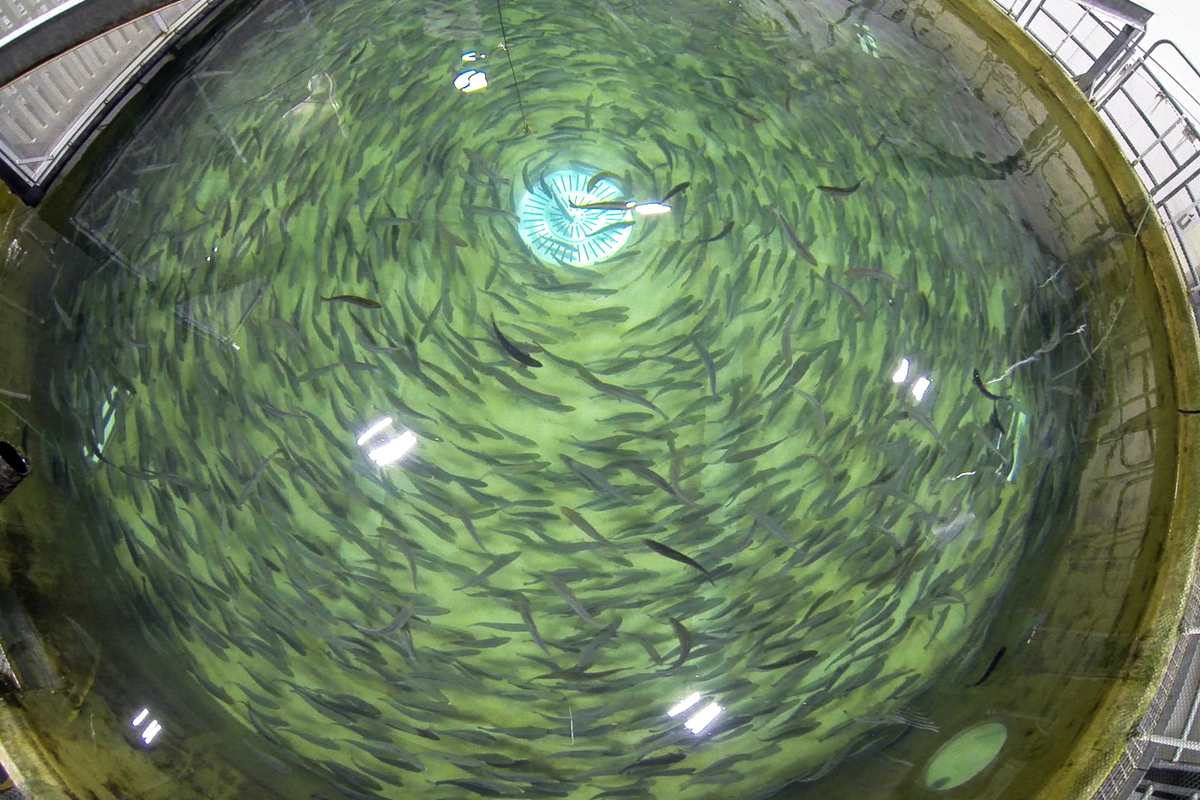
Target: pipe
<point>13,469</point>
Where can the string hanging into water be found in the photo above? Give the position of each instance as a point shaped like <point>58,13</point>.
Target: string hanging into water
<point>508,55</point>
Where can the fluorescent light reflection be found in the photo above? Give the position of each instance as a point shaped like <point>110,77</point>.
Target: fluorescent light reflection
<point>141,717</point>
<point>920,387</point>
<point>684,704</point>
<point>650,209</point>
<point>152,731</point>
<point>394,450</point>
<point>702,718</point>
<point>374,429</point>
<point>901,373</point>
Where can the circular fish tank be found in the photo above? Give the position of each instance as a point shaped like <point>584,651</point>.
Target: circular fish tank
<point>625,399</point>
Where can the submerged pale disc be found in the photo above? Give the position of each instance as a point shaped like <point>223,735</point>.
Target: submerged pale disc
<point>558,233</point>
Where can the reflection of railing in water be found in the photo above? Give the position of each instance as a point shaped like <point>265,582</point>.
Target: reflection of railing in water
<point>1146,104</point>
<point>1144,101</point>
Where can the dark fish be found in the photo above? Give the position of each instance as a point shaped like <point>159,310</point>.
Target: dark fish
<point>521,603</point>
<point>602,176</point>
<point>477,787</point>
<point>994,420</point>
<point>723,233</point>
<point>675,555</point>
<point>452,237</point>
<point>709,365</point>
<point>841,190</point>
<point>978,381</point>
<point>500,563</point>
<point>578,521</point>
<point>616,226</point>
<point>563,591</point>
<point>354,300</point>
<point>399,622</point>
<point>991,668</point>
<point>795,658</point>
<point>804,252</point>
<point>681,187</point>
<point>607,205</point>
<point>746,455</point>
<point>685,642</point>
<point>512,350</point>
<point>657,761</point>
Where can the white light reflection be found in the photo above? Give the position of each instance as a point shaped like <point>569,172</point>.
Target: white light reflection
<point>394,450</point>
<point>374,429</point>
<point>901,373</point>
<point>703,718</point>
<point>152,731</point>
<point>650,209</point>
<point>470,56</point>
<point>920,387</point>
<point>684,704</point>
<point>141,717</point>
<point>470,80</point>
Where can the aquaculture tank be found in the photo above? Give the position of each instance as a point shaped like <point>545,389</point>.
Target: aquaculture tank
<point>582,400</point>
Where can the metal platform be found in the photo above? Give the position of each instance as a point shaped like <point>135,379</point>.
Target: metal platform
<point>47,114</point>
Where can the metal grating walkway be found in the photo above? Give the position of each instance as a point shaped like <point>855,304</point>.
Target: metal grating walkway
<point>47,113</point>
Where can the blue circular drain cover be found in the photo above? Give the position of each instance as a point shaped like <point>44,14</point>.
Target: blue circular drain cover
<point>559,233</point>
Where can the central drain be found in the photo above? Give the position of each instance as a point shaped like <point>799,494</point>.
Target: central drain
<point>558,233</point>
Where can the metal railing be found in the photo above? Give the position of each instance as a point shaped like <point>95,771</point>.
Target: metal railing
<point>1147,97</point>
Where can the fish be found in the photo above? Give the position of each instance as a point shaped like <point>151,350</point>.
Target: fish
<point>606,205</point>
<point>675,555</point>
<point>511,349</point>
<point>746,455</point>
<point>681,187</point>
<point>616,226</point>
<point>685,642</point>
<point>521,603</point>
<point>773,526</point>
<point>841,190</point>
<point>796,658</point>
<point>399,622</point>
<point>578,521</point>
<point>994,420</point>
<point>452,237</point>
<point>800,247</point>
<point>602,176</point>
<point>354,300</point>
<point>657,761</point>
<point>563,591</point>
<point>978,381</point>
<point>500,563</point>
<point>987,673</point>
<point>709,365</point>
<point>720,235</point>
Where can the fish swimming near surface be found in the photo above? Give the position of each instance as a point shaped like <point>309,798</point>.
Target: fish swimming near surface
<point>788,232</point>
<point>602,176</point>
<point>841,191</point>
<point>606,205</point>
<point>512,349</point>
<point>682,187</point>
<point>675,555</point>
<point>987,673</point>
<point>354,300</point>
<point>978,381</point>
<point>720,234</point>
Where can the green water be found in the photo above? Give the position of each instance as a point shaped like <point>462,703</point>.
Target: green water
<point>736,400</point>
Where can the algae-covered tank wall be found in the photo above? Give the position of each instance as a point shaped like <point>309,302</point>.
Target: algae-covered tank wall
<point>676,399</point>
